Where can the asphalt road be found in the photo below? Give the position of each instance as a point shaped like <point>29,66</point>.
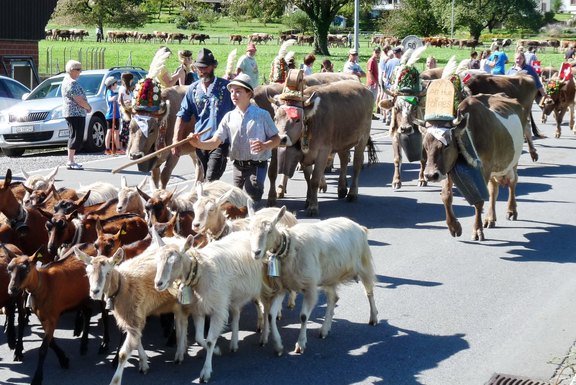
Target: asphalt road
<point>451,311</point>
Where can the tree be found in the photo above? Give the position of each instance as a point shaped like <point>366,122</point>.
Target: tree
<point>121,13</point>
<point>413,17</point>
<point>477,15</point>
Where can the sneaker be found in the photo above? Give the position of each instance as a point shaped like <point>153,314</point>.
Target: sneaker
<point>74,166</point>
<point>120,152</point>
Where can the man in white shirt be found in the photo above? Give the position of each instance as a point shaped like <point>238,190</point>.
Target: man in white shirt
<point>351,66</point>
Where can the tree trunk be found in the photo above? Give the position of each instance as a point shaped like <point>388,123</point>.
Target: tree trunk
<point>321,28</point>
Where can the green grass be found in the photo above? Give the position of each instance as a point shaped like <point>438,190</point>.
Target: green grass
<point>118,54</point>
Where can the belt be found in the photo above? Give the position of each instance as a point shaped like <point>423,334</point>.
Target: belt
<point>250,163</point>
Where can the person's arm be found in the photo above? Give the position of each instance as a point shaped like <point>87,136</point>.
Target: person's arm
<point>82,102</point>
<point>209,144</point>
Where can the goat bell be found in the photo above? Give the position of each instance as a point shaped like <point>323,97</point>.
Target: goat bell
<point>273,266</point>
<point>184,295</point>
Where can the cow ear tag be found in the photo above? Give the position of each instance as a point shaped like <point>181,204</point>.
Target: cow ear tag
<point>123,232</point>
<point>184,295</point>
<point>273,266</point>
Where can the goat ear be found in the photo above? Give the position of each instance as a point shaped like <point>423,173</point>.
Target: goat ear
<point>144,196</point>
<point>199,190</point>
<point>82,256</point>
<point>37,256</point>
<point>189,243</point>
<point>29,189</point>
<point>123,182</point>
<point>52,175</point>
<point>118,256</point>
<point>45,213</point>
<point>99,229</point>
<point>223,198</point>
<point>157,238</point>
<point>24,173</point>
<point>279,215</point>
<point>81,201</point>
<point>250,206</point>
<point>8,178</point>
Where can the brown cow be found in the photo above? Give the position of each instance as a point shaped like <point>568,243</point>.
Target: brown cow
<point>160,130</point>
<point>495,125</point>
<point>236,38</point>
<point>520,87</point>
<point>559,101</point>
<point>322,126</point>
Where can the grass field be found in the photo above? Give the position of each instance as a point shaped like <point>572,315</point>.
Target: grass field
<point>140,54</point>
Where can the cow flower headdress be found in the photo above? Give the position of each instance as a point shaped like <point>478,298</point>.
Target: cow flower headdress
<point>553,87</point>
<point>407,78</point>
<point>147,94</point>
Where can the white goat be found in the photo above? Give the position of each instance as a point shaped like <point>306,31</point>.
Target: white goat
<point>325,254</point>
<point>130,287</point>
<point>129,200</point>
<point>217,188</point>
<point>222,276</point>
<point>100,192</point>
<point>38,182</point>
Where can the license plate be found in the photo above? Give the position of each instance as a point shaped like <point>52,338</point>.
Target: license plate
<point>22,129</point>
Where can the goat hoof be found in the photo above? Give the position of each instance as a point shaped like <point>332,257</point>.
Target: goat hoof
<point>299,349</point>
<point>397,185</point>
<point>512,216</point>
<point>352,198</point>
<point>342,193</point>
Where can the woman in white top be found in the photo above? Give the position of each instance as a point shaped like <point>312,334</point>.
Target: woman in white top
<point>308,63</point>
<point>125,101</point>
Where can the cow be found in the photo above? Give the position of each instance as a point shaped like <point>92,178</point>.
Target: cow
<point>176,36</point>
<point>201,37</point>
<point>559,98</point>
<point>159,132</point>
<point>320,126</point>
<point>520,86</point>
<point>236,38</point>
<point>495,124</point>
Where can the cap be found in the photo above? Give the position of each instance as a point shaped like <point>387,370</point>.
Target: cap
<point>110,80</point>
<point>397,49</point>
<point>352,52</point>
<point>241,80</point>
<point>251,47</point>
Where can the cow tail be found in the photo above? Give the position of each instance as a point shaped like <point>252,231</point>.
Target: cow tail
<point>535,130</point>
<point>372,154</point>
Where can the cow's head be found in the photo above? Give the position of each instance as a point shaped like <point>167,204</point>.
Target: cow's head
<point>144,133</point>
<point>291,119</point>
<point>405,111</point>
<point>440,145</point>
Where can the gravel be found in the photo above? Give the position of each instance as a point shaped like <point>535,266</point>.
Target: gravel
<point>42,159</point>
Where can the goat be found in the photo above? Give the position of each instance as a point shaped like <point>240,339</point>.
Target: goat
<point>38,182</point>
<point>130,288</point>
<point>222,276</point>
<point>129,201</point>
<point>10,303</point>
<point>54,288</point>
<point>325,254</point>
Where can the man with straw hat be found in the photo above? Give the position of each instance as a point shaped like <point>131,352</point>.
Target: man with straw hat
<point>252,136</point>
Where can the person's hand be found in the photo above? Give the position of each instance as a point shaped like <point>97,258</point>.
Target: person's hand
<point>89,109</point>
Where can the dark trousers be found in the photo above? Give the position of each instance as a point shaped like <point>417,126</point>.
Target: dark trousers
<point>251,177</point>
<point>76,125</point>
<point>214,161</point>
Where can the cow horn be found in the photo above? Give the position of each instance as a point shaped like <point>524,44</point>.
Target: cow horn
<point>26,176</point>
<point>308,101</point>
<point>420,122</point>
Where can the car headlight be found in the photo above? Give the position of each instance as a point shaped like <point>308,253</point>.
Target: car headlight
<point>55,114</point>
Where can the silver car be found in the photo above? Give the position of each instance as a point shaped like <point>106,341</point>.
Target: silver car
<point>11,92</point>
<point>37,121</point>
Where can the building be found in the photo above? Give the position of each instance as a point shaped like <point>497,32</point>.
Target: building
<point>22,25</point>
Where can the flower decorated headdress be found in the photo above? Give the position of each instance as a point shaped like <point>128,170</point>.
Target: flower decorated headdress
<point>147,96</point>
<point>553,86</point>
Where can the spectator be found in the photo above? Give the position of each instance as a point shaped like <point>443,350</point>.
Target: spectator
<point>570,52</point>
<point>98,34</point>
<point>521,65</point>
<point>351,66</point>
<point>247,65</point>
<point>185,74</point>
<point>125,101</point>
<point>308,63</point>
<point>530,56</point>
<point>474,63</point>
<point>372,72</point>
<point>252,135</point>
<point>388,76</point>
<point>203,107</point>
<point>112,117</point>
<point>349,37</point>
<point>431,62</point>
<point>75,107</point>
<point>484,62</point>
<point>497,61</point>
<point>327,66</point>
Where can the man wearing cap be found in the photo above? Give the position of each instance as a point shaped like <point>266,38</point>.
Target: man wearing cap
<point>387,76</point>
<point>252,136</point>
<point>247,65</point>
<point>203,107</point>
<point>351,66</point>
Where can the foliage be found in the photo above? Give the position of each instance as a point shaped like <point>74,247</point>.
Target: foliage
<point>237,11</point>
<point>556,6</point>
<point>118,13</point>
<point>414,17</point>
<point>298,20</point>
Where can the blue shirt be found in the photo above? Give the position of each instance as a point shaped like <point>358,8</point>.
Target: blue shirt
<point>207,109</point>
<point>530,71</point>
<point>237,128</point>
<point>499,68</point>
<point>110,109</point>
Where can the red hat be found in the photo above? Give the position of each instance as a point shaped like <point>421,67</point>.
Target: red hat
<point>251,47</point>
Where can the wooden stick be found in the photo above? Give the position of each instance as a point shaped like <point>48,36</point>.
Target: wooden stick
<point>160,151</point>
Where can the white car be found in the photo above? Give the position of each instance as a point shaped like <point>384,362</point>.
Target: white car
<point>37,121</point>
<point>11,92</point>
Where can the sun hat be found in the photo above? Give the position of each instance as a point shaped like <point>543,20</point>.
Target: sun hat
<point>242,80</point>
<point>352,52</point>
<point>205,58</point>
<point>251,47</point>
<point>110,80</point>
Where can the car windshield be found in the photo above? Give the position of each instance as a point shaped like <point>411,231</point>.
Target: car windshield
<point>52,88</point>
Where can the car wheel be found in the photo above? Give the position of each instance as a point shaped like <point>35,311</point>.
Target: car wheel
<point>13,152</point>
<point>96,134</point>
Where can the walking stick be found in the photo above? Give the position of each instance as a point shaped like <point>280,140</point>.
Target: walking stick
<point>158,152</point>
<point>113,144</point>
